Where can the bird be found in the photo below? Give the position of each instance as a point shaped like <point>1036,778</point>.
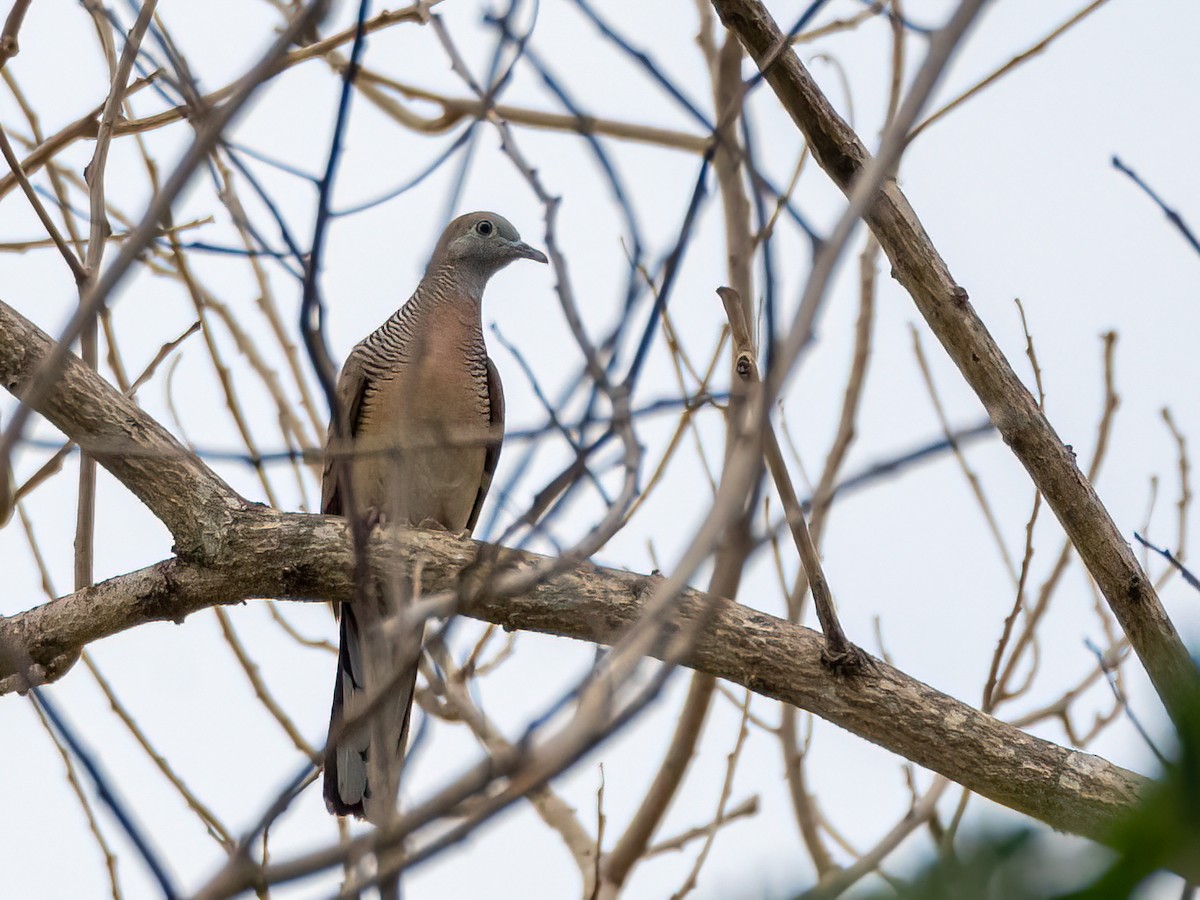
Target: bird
<point>416,432</point>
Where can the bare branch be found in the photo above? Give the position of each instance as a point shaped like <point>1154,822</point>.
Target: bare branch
<point>945,306</point>
<point>840,653</point>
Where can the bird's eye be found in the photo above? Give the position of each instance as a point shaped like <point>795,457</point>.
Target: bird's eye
<point>484,227</point>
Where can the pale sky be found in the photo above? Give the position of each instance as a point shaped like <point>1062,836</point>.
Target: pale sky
<point>1015,189</point>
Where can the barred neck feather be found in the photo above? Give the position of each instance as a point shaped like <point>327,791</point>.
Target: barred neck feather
<point>394,342</point>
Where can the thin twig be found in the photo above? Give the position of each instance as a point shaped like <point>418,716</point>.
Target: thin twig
<point>1008,67</point>
<point>1172,216</point>
<point>68,255</point>
<point>1170,557</point>
<point>726,789</point>
<point>840,653</point>
<point>207,136</point>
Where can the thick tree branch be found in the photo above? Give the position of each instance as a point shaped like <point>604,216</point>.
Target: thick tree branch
<point>184,493</point>
<point>1068,790</point>
<point>917,265</point>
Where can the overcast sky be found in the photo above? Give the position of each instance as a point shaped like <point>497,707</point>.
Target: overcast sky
<point>1017,192</point>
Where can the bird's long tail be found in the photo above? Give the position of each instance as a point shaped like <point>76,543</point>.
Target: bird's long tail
<point>359,781</point>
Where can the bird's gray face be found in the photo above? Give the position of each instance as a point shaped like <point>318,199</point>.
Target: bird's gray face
<point>488,242</point>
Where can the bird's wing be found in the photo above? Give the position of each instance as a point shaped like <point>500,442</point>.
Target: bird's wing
<point>496,427</point>
<point>351,386</point>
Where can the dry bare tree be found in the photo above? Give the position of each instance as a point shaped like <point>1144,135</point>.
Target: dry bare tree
<point>649,420</point>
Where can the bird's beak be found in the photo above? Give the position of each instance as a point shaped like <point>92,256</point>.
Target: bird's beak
<point>524,251</point>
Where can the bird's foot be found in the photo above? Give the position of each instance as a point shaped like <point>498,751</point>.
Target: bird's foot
<point>435,525</point>
<point>373,518</point>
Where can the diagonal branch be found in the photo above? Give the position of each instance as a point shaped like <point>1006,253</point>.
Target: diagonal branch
<point>841,655</point>
<point>184,493</point>
<point>917,265</point>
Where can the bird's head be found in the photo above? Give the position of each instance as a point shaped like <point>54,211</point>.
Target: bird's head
<point>480,244</point>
